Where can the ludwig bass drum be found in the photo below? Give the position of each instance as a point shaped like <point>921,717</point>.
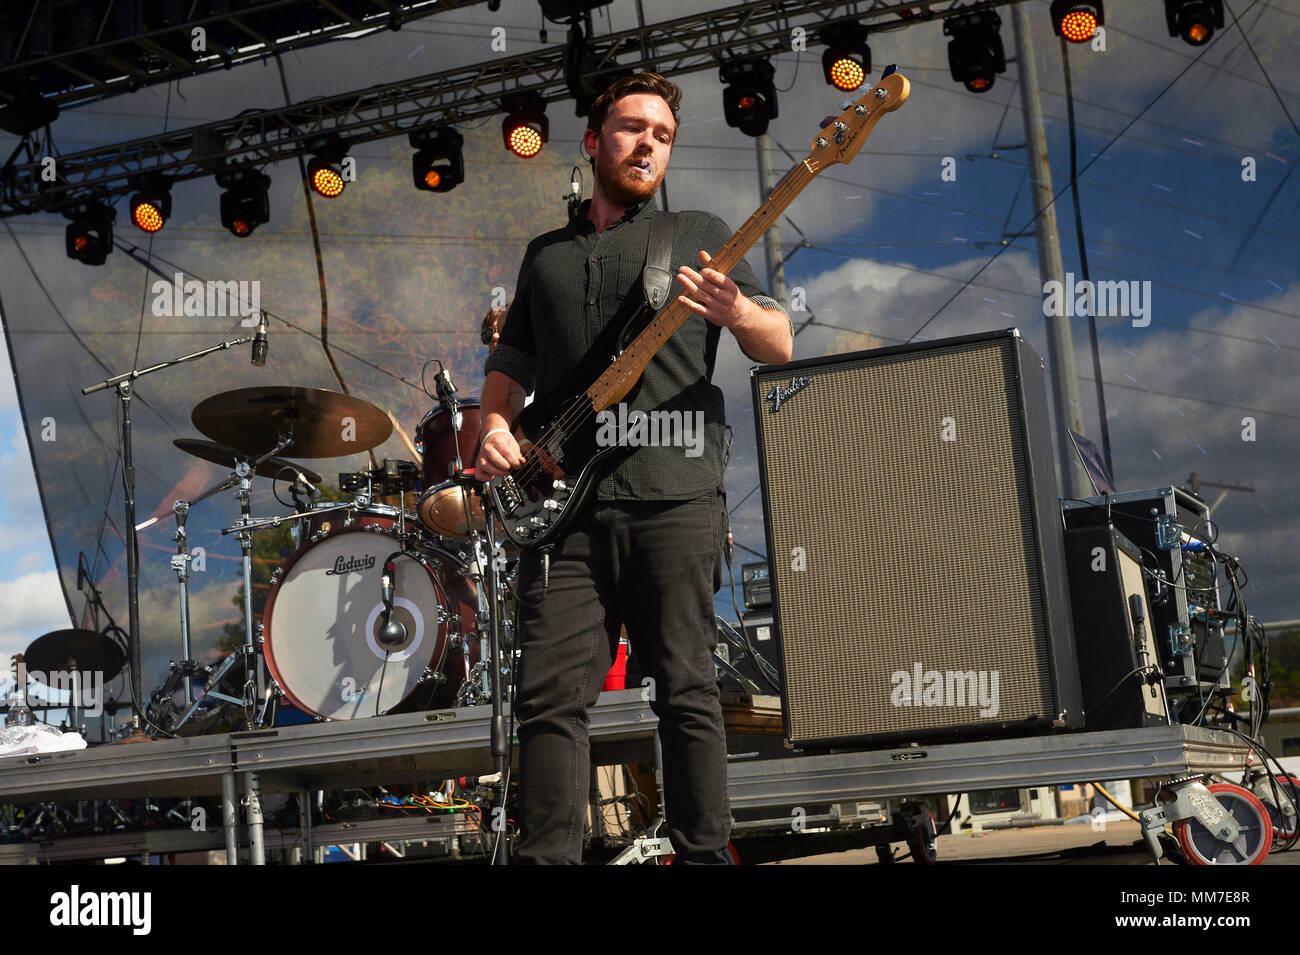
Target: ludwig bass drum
<point>323,614</point>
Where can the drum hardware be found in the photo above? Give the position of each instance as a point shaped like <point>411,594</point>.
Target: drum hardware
<point>390,478</point>
<point>227,457</point>
<point>432,676</point>
<point>61,660</point>
<point>123,384</point>
<point>247,653</point>
<point>488,571</point>
<point>245,465</point>
<point>183,672</point>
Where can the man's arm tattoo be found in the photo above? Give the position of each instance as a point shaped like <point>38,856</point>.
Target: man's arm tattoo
<point>515,399</point>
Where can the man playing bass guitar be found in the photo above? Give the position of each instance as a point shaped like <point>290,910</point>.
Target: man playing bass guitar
<point>645,549</point>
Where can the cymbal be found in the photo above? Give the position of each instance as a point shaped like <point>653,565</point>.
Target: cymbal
<point>60,649</point>
<point>324,424</point>
<point>220,454</point>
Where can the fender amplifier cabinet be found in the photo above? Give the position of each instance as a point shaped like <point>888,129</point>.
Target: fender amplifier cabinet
<point>915,543</point>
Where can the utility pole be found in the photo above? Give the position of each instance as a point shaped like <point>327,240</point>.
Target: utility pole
<point>1195,481</point>
<point>1060,344</point>
<point>771,238</point>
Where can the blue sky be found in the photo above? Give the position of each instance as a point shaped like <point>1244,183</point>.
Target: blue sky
<point>890,241</point>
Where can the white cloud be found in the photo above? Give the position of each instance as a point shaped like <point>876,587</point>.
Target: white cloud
<point>30,605</point>
<point>22,523</point>
<point>8,393</point>
<point>36,559</point>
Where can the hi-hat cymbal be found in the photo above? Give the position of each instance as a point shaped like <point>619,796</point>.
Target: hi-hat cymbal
<point>61,650</point>
<point>323,423</point>
<point>220,454</point>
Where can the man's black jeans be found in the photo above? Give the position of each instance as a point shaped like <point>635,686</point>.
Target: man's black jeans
<point>653,567</point>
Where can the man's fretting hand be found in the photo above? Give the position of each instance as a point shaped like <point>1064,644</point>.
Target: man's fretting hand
<point>711,294</point>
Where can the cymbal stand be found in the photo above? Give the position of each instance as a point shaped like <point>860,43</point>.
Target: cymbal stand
<point>123,384</point>
<point>181,564</point>
<point>96,605</point>
<point>243,476</point>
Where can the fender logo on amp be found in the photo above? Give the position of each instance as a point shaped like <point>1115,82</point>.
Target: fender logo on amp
<point>779,396</point>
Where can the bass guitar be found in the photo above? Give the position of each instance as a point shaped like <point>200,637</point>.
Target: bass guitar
<point>538,500</point>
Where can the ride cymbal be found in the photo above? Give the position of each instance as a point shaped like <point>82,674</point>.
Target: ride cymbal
<point>323,423</point>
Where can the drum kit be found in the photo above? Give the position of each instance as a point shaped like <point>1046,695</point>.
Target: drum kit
<point>379,608</point>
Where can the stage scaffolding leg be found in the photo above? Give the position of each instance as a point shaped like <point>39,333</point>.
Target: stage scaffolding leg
<point>230,818</point>
<point>304,825</point>
<point>253,808</point>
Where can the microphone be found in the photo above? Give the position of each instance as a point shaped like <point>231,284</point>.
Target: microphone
<point>259,344</point>
<point>574,198</point>
<point>393,633</point>
<point>302,486</point>
<point>443,384</point>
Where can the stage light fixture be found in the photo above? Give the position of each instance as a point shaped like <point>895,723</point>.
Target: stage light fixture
<point>245,204</point>
<point>89,236</point>
<point>566,11</point>
<point>438,165</point>
<point>975,54</point>
<point>1194,20</point>
<point>525,129</point>
<point>1076,21</point>
<point>847,60</point>
<point>151,207</point>
<point>580,62</point>
<point>749,99</point>
<point>326,178</point>
<point>325,171</point>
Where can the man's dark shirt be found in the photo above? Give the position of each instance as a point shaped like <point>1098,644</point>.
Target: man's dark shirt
<point>571,284</point>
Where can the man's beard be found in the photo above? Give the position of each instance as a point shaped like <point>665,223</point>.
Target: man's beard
<point>617,187</point>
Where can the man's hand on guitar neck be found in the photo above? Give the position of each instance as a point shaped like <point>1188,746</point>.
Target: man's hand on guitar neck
<point>763,334</point>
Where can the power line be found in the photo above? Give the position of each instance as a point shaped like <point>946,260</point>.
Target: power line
<point>950,89</point>
<point>1086,167</point>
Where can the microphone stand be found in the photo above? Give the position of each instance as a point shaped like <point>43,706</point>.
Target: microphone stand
<point>483,571</point>
<point>123,384</point>
<point>500,737</point>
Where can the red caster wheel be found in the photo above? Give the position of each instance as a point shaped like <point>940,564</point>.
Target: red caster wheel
<point>923,841</point>
<point>1288,790</point>
<point>1250,848</point>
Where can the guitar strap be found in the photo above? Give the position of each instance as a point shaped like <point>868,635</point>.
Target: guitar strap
<point>657,278</point>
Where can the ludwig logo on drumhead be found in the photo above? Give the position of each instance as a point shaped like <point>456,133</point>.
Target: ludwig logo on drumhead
<point>342,566</point>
